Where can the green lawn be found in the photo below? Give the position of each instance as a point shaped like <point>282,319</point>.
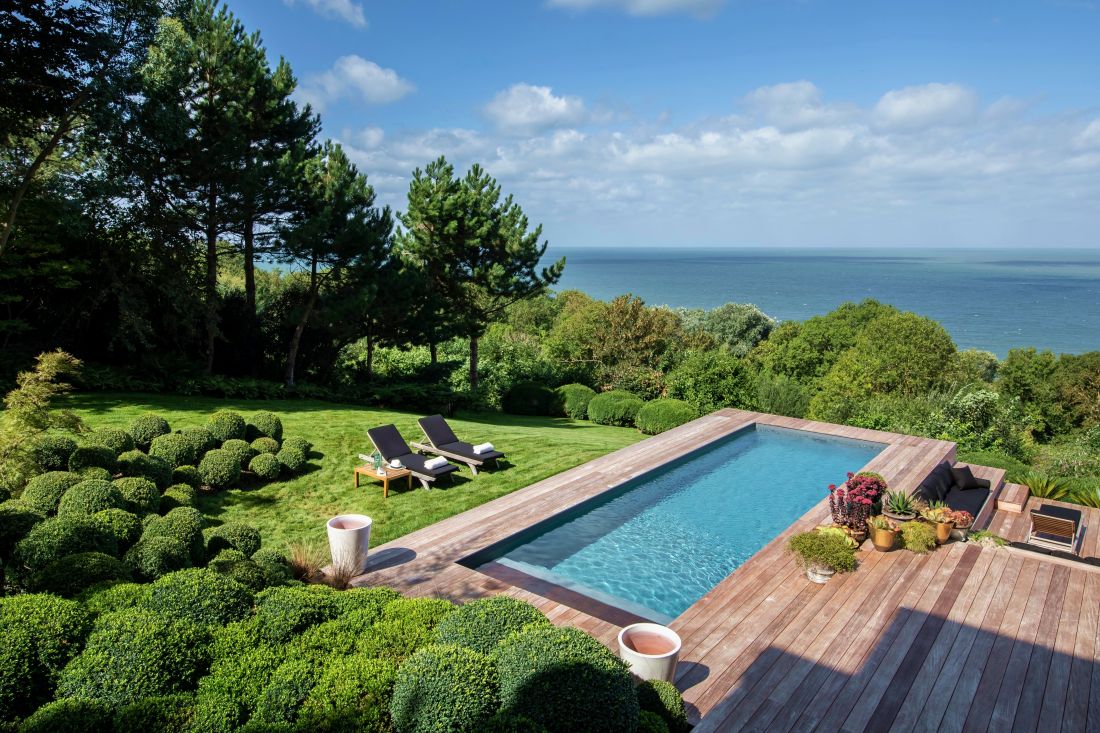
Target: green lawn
<point>295,511</point>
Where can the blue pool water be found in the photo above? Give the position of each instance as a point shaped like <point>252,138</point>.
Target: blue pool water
<point>658,544</point>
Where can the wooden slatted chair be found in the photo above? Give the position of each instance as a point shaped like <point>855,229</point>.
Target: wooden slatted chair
<point>1055,527</point>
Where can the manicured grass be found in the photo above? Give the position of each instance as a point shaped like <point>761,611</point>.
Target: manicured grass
<point>295,511</point>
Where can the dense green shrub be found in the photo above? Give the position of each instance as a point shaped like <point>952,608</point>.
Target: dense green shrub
<point>141,494</point>
<point>664,414</point>
<point>135,654</point>
<point>616,407</point>
<point>44,491</point>
<point>188,475</point>
<point>56,537</point>
<point>176,496</point>
<point>155,556</point>
<point>92,456</point>
<point>662,698</point>
<point>529,398</point>
<point>482,624</point>
<point>199,595</point>
<point>292,459</point>
<point>266,466</point>
<point>508,723</point>
<point>445,688</point>
<point>72,574</point>
<point>88,497</point>
<point>226,425</point>
<point>183,524</point>
<point>298,444</point>
<point>51,452</point>
<point>831,549</point>
<point>175,448</point>
<point>219,469</point>
<point>16,520</point>
<point>283,612</point>
<point>427,612</point>
<point>95,473</point>
<point>116,439</point>
<point>265,425</point>
<point>200,438</point>
<point>274,564</point>
<point>563,679</point>
<point>146,427</point>
<point>234,687</point>
<point>233,535</point>
<point>164,714</point>
<point>265,445</point>
<point>779,394</point>
<point>918,537</point>
<point>651,723</point>
<point>351,695</point>
<point>138,464</point>
<point>241,450</point>
<point>21,686</point>
<point>288,687</point>
<point>369,600</point>
<point>69,716</point>
<point>235,565</point>
<point>124,526</point>
<point>573,399</point>
<point>711,380</point>
<point>110,597</point>
<point>394,639</point>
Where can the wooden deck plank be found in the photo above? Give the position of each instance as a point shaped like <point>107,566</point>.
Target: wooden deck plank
<point>1078,690</point>
<point>1055,691</point>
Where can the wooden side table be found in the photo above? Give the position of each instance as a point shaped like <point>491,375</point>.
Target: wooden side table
<point>391,473</point>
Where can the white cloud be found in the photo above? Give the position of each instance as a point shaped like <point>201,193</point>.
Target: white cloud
<point>645,7</point>
<point>793,105</point>
<point>1090,136</point>
<point>925,106</point>
<point>354,77</point>
<point>345,10</point>
<point>526,108</point>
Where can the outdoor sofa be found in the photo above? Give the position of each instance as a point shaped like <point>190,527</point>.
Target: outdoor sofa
<point>955,486</point>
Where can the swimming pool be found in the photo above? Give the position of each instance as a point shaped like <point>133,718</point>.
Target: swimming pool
<point>657,544</point>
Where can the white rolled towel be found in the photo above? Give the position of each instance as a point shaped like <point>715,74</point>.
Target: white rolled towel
<point>434,463</point>
<point>483,448</point>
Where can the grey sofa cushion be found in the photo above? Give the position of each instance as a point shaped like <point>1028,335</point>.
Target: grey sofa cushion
<point>969,500</point>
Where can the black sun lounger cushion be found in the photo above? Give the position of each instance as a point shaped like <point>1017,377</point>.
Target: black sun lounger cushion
<point>465,449</point>
<point>389,442</point>
<point>437,430</point>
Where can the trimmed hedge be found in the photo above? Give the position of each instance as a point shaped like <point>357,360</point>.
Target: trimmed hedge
<point>175,448</point>
<point>92,456</point>
<point>664,414</point>
<point>146,427</point>
<point>371,601</point>
<point>235,685</point>
<point>141,494</point>
<point>283,612</point>
<point>116,439</point>
<point>266,466</point>
<point>137,464</point>
<point>16,520</point>
<point>482,624</point>
<point>56,537</point>
<point>292,459</point>
<point>264,425</point>
<point>44,491</point>
<point>298,444</point>
<point>69,716</point>
<point>201,596</point>
<point>226,425</point>
<point>95,473</point>
<point>200,438</point>
<point>219,469</point>
<point>651,723</point>
<point>188,475</point>
<point>265,445</point>
<point>234,536</point>
<point>427,612</point>
<point>183,524</point>
<point>445,688</point>
<point>563,679</point>
<point>616,407</point>
<point>529,398</point>
<point>663,699</point>
<point>163,714</point>
<point>124,526</point>
<point>235,565</point>
<point>110,597</point>
<point>505,723</point>
<point>394,639</point>
<point>176,496</point>
<point>351,695</point>
<point>240,449</point>
<point>72,574</point>
<point>288,687</point>
<point>275,565</point>
<point>88,497</point>
<point>573,400</point>
<point>51,452</point>
<point>20,689</point>
<point>153,557</point>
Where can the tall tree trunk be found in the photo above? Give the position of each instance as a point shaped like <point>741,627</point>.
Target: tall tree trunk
<point>251,335</point>
<point>296,339</point>
<point>211,284</point>
<point>473,364</point>
<point>370,356</point>
<point>433,352</point>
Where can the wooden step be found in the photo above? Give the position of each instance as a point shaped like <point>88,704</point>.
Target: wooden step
<point>1013,498</point>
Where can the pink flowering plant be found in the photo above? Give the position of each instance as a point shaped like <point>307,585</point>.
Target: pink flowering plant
<point>853,503</point>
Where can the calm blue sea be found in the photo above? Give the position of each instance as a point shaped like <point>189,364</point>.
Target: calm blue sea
<point>992,300</point>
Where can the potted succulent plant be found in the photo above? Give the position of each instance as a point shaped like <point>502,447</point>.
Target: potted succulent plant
<point>900,506</point>
<point>938,514</point>
<point>963,521</point>
<point>851,504</point>
<point>884,533</point>
<point>821,554</point>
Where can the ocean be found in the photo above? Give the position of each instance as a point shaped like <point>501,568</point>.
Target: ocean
<point>994,300</point>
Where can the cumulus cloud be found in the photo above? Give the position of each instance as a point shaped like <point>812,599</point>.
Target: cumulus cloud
<point>527,108</point>
<point>1090,136</point>
<point>794,104</point>
<point>926,105</point>
<point>357,78</point>
<point>346,10</point>
<point>645,7</point>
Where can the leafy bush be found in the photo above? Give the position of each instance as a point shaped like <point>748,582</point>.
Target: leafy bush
<point>92,456</point>
<point>265,445</point>
<point>44,491</point>
<point>16,520</point>
<point>69,716</point>
<point>283,612</point>
<point>199,595</point>
<point>200,438</point>
<point>72,574</point>
<point>288,687</point>
<point>427,612</point>
<point>445,688</point>
<point>219,469</point>
<point>711,380</point>
<point>529,398</point>
<point>51,452</point>
<point>239,449</point>
<point>164,714</point>
<point>664,414</point>
<point>918,537</point>
<point>563,679</point>
<point>265,425</point>
<point>351,695</point>
<point>124,526</point>
<point>110,597</point>
<point>371,601</point>
<point>175,448</point>
<point>155,556</point>
<point>573,399</point>
<point>779,394</point>
<point>176,496</point>
<point>1044,486</point>
<point>292,459</point>
<point>651,723</point>
<point>393,639</point>
<point>135,654</point>
<point>823,549</point>
<point>507,723</point>
<point>57,537</point>
<point>482,624</point>
<point>233,535</point>
<point>236,566</point>
<point>274,564</point>
<point>188,475</point>
<point>116,439</point>
<point>146,427</point>
<point>141,494</point>
<point>88,497</point>
<point>18,666</point>
<point>234,687</point>
<point>183,524</point>
<point>614,408</point>
<point>662,698</point>
<point>266,466</point>
<point>300,444</point>
<point>138,464</point>
<point>226,425</point>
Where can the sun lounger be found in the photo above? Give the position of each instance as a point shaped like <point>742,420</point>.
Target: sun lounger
<point>1056,527</point>
<point>391,445</point>
<point>442,441</point>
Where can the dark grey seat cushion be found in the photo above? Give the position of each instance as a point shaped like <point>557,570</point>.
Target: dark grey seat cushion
<point>965,478</point>
<point>968,500</point>
<point>937,484</point>
<point>391,445</point>
<point>437,430</point>
<point>465,449</point>
<point>415,463</point>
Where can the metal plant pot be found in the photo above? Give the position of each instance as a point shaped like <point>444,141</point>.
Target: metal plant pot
<point>883,539</point>
<point>819,573</point>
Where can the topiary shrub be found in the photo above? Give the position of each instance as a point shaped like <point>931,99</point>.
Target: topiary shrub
<point>298,444</point>
<point>56,537</point>
<point>291,459</point>
<point>43,492</point>
<point>109,597</point>
<point>175,448</point>
<point>234,536</point>
<point>72,574</point>
<point>427,612</point>
<point>287,689</point>
<point>92,456</point>
<point>563,679</point>
<point>135,654</point>
<point>226,425</point>
<point>351,695</point>
<point>234,687</point>
<point>482,624</point>
<point>124,526</point>
<point>651,723</point>
<point>199,595</point>
<point>831,549</point>
<point>665,414</point>
<point>445,688</point>
<point>88,497</point>
<point>529,398</point>
<point>95,473</point>
<point>265,445</point>
<point>183,524</point>
<point>368,600</point>
<point>236,566</point>
<point>146,427</point>
<point>663,699</point>
<point>393,639</point>
<point>275,566</point>
<point>141,494</point>
<point>51,452</point>
<point>200,438</point>
<point>573,399</point>
<point>116,439</point>
<point>219,469</point>
<point>176,496</point>
<point>266,466</point>
<point>163,714</point>
<point>506,723</point>
<point>614,408</point>
<point>241,450</point>
<point>187,475</point>
<point>283,612</point>
<point>69,716</point>
<point>155,556</point>
<point>264,425</point>
<point>16,520</point>
<point>138,464</point>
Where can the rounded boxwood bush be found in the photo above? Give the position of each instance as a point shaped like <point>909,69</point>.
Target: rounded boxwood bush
<point>92,456</point>
<point>266,466</point>
<point>288,687</point>
<point>236,566</point>
<point>663,699</point>
<point>573,400</point>
<point>298,444</point>
<point>109,597</point>
<point>16,520</point>
<point>265,445</point>
<point>233,536</point>
<point>200,595</point>
<point>265,425</point>
<point>69,716</point>
<point>283,612</point>
<point>175,448</point>
<point>664,414</point>
<point>200,438</point>
<point>188,475</point>
<point>233,689</point>
<point>239,449</point>
<point>141,495</point>
<point>219,469</point>
<point>124,526</point>
<point>44,491</point>
<point>528,398</point>
<point>74,573</point>
<point>176,496</point>
<point>137,464</point>
<point>146,427</point>
<point>616,407</point>
<point>226,425</point>
<point>155,556</point>
<point>56,537</point>
<point>163,714</point>
<point>351,695</point>
<point>506,723</point>
<point>371,601</point>
<point>564,679</point>
<point>275,566</point>
<point>95,473</point>
<point>88,497</point>
<point>651,723</point>
<point>116,439</point>
<point>136,654</point>
<point>445,687</point>
<point>482,624</point>
<point>427,612</point>
<point>22,688</point>
<point>291,459</point>
<point>51,452</point>
<point>394,639</point>
<point>184,524</point>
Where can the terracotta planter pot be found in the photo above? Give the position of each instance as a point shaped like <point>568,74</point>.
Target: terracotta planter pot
<point>883,539</point>
<point>943,532</point>
<point>651,650</point>
<point>819,574</point>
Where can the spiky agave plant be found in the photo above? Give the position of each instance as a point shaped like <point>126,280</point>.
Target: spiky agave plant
<point>1045,486</point>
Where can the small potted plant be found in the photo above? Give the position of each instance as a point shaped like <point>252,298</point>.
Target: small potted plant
<point>900,506</point>
<point>822,554</point>
<point>939,514</point>
<point>852,503</point>
<point>884,533</point>
<point>962,521</point>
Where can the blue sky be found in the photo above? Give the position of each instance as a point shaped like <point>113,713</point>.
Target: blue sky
<point>723,122</point>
